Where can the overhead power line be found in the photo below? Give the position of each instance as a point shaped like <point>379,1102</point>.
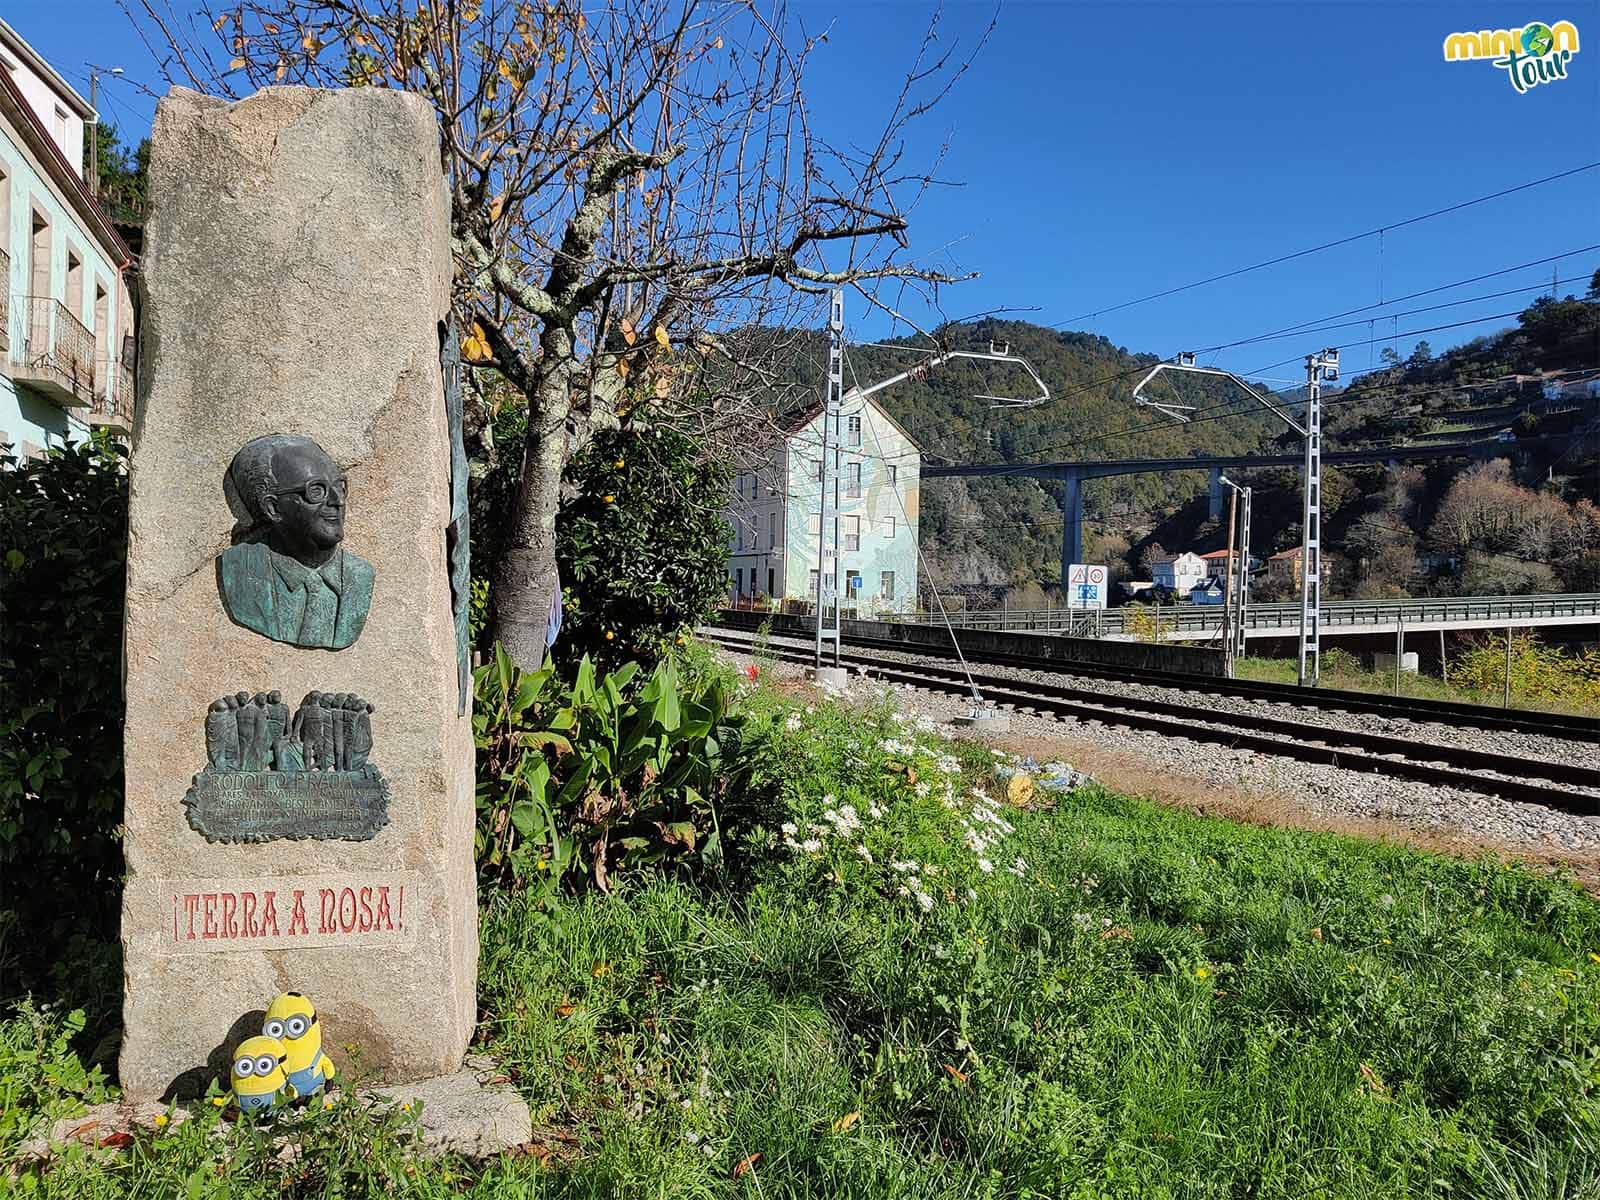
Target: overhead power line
<point>1343,241</point>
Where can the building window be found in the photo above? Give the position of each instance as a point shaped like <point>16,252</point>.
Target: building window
<point>852,481</point>
<point>886,585</point>
<point>888,527</point>
<point>855,431</point>
<point>772,530</point>
<point>811,584</point>
<point>852,533</point>
<point>739,534</point>
<point>61,131</point>
<point>894,474</point>
<point>815,525</point>
<point>771,580</point>
<point>852,584</point>
<point>738,581</point>
<point>816,469</point>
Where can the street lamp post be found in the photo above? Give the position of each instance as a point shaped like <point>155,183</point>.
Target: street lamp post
<point>95,72</point>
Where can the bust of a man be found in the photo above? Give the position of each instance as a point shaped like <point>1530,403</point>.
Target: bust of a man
<point>291,582</point>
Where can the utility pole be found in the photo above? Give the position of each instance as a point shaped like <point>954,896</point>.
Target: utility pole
<point>1227,589</point>
<point>831,409</point>
<point>1242,608</point>
<point>1236,598</point>
<point>94,131</point>
<point>1320,366</point>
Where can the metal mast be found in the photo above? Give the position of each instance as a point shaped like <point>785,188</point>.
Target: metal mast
<point>1320,366</point>
<point>1241,607</point>
<point>831,409</point>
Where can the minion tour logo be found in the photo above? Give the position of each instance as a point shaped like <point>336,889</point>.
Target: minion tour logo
<point>1534,54</point>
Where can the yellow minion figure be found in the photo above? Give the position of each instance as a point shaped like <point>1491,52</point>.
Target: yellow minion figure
<point>293,1018</point>
<point>257,1073</point>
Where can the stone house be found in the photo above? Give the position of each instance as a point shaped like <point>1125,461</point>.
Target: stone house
<point>774,513</point>
<point>66,317</point>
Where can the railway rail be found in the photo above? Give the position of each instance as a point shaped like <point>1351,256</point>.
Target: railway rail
<point>1571,785</point>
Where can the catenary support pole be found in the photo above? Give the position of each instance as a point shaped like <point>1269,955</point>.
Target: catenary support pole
<point>1227,584</point>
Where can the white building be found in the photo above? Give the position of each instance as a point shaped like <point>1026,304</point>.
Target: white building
<point>66,319</point>
<point>774,513</point>
<point>1179,573</point>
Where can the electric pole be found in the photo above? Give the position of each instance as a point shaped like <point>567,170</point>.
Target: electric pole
<point>1242,608</point>
<point>1320,366</point>
<point>94,130</point>
<point>831,409</point>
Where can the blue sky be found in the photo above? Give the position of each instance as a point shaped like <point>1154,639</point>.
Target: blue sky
<point>1107,151</point>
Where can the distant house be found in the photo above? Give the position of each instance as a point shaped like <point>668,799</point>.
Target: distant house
<point>1285,564</point>
<point>774,513</point>
<point>1180,572</point>
<point>66,318</point>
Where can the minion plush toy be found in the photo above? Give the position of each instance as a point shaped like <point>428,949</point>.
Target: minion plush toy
<point>257,1073</point>
<point>293,1018</point>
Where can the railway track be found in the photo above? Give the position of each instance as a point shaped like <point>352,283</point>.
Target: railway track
<point>1474,716</point>
<point>1570,786</point>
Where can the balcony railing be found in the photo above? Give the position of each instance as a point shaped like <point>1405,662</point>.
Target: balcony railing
<point>57,353</point>
<point>113,399</point>
<point>5,301</point>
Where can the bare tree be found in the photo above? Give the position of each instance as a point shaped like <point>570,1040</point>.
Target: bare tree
<point>633,183</point>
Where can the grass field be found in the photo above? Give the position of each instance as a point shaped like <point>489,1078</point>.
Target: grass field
<point>909,987</point>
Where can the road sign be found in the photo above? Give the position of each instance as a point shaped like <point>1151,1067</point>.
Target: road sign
<point>1086,585</point>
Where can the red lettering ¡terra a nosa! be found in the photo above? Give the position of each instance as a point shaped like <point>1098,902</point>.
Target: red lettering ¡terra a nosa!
<point>228,927</point>
<point>347,924</point>
<point>297,915</point>
<point>247,919</point>
<point>366,921</point>
<point>385,918</point>
<point>191,902</point>
<point>208,911</point>
<point>325,911</point>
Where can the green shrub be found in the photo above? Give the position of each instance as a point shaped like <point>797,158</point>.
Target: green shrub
<point>63,548</point>
<point>40,1076</point>
<point>1538,671</point>
<point>598,775</point>
<point>642,546</point>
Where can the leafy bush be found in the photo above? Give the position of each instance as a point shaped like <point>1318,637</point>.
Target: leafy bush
<point>642,546</point>
<point>597,775</point>
<point>63,544</point>
<point>1538,671</point>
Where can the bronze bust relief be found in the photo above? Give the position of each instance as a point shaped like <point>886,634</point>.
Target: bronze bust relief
<point>289,579</point>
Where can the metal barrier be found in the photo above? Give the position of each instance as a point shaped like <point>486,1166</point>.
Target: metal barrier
<point>1347,615</point>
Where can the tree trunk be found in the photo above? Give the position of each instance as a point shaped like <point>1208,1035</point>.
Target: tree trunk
<point>525,585</point>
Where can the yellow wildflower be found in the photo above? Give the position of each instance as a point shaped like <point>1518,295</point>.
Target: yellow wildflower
<point>610,635</point>
<point>609,499</point>
<point>162,1120</point>
<point>1202,972</point>
<point>620,464</point>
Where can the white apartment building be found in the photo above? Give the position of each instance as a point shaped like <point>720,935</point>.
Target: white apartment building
<point>774,512</point>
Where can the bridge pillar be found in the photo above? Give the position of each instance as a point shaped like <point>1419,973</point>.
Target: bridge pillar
<point>1216,494</point>
<point>1071,523</point>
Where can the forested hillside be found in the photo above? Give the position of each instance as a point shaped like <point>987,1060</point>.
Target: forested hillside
<point>1491,389</point>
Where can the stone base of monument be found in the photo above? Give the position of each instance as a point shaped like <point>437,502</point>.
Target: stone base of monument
<point>831,679</point>
<point>984,720</point>
<point>473,1113</point>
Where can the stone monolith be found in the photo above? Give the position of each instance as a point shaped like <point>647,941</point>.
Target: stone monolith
<point>298,748</point>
